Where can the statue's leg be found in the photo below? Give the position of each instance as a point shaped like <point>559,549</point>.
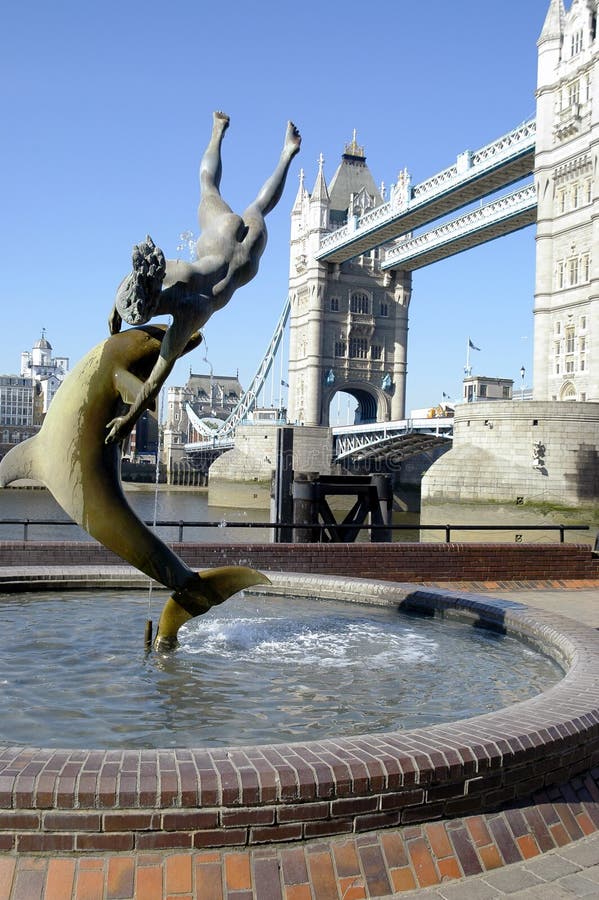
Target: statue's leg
<point>211,169</point>
<point>271,191</point>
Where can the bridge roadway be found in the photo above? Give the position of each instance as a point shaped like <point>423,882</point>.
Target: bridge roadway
<point>476,174</point>
<point>502,216</point>
<point>397,440</point>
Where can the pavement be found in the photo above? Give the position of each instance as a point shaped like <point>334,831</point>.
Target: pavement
<point>547,847</point>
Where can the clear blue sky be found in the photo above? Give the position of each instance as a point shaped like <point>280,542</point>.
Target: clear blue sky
<point>106,109</point>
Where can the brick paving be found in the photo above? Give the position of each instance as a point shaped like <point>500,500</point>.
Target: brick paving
<point>545,846</point>
<point>481,849</point>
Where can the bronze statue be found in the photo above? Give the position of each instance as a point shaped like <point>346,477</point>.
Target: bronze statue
<point>70,456</point>
<point>228,252</point>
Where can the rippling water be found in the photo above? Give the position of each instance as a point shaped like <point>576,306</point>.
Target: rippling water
<point>73,672</point>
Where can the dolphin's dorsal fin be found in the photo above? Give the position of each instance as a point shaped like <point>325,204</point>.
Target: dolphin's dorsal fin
<point>127,385</point>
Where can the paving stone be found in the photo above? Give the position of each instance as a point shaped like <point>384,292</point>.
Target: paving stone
<point>551,866</point>
<point>583,853</point>
<point>579,885</point>
<point>511,879</point>
<point>542,892</point>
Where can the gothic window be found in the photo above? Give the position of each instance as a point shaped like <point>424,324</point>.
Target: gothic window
<point>384,309</point>
<point>358,348</point>
<point>583,322</point>
<point>557,348</point>
<point>581,363</point>
<point>340,348</point>
<point>576,43</point>
<point>560,281</point>
<point>376,351</point>
<point>586,267</point>
<point>574,92</point>
<point>359,303</point>
<point>334,304</point>
<point>575,195</point>
<point>561,200</point>
<point>573,271</point>
<point>569,365</point>
<point>588,190</point>
<point>558,327</point>
<point>570,339</point>
<point>582,343</point>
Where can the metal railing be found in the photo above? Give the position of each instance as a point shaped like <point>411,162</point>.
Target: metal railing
<point>317,527</point>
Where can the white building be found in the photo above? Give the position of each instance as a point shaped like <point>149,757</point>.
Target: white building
<point>566,344</point>
<point>44,369</point>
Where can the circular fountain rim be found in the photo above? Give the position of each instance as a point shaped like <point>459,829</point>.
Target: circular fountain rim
<point>241,795</point>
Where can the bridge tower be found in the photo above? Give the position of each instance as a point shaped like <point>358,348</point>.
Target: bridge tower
<point>348,321</point>
<point>566,315</point>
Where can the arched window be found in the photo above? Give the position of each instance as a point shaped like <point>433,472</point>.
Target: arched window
<point>359,303</point>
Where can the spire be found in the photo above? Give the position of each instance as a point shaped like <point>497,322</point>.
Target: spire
<point>554,21</point>
<point>353,150</point>
<point>301,193</point>
<point>320,192</point>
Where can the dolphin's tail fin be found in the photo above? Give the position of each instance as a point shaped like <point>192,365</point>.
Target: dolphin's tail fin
<point>203,591</point>
<point>19,462</point>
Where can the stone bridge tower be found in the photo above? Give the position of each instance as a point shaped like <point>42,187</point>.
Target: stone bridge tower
<point>349,322</point>
<point>566,365</point>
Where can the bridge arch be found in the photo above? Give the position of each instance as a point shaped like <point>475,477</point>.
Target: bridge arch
<point>374,404</point>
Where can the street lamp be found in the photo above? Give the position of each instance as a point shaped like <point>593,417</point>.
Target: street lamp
<point>522,374</point>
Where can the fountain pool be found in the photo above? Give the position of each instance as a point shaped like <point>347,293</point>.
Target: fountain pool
<point>192,795</point>
<point>257,669</point>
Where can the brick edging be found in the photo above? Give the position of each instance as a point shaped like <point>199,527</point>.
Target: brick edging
<point>122,800</point>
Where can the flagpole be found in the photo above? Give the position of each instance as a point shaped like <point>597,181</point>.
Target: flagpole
<point>468,371</point>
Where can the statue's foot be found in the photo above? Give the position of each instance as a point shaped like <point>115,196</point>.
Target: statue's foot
<point>138,296</point>
<point>220,122</point>
<point>293,140</point>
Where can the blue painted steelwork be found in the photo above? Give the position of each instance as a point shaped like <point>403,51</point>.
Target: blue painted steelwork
<point>475,175</point>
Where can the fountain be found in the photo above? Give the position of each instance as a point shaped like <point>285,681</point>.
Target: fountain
<point>77,451</point>
<point>67,798</point>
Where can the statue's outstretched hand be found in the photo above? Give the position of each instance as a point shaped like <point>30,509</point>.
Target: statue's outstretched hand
<point>118,429</point>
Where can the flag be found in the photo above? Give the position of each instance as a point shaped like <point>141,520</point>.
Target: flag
<point>471,345</point>
<point>284,383</point>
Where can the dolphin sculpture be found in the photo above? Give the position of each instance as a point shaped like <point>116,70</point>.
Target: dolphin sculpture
<point>70,456</point>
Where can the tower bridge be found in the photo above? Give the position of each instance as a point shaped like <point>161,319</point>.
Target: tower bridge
<point>475,174</point>
<point>353,251</point>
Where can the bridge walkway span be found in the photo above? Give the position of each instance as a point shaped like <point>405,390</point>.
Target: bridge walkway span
<point>475,175</point>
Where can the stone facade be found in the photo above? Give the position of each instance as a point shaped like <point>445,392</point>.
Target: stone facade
<point>566,362</point>
<point>243,476</point>
<point>519,453</point>
<point>349,322</point>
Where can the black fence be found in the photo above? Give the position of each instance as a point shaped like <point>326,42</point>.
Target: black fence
<point>316,529</point>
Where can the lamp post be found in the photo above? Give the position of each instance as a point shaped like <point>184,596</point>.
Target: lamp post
<point>522,374</point>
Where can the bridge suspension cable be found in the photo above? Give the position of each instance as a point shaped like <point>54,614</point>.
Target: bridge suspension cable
<point>248,400</point>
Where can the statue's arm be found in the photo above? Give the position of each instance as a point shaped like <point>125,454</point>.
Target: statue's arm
<point>181,337</point>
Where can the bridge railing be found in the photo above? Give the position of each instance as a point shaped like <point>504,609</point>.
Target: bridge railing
<point>181,525</point>
<point>499,151</point>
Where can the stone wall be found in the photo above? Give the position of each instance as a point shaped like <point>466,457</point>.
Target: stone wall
<point>520,452</point>
<point>243,476</point>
